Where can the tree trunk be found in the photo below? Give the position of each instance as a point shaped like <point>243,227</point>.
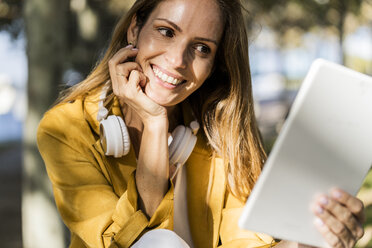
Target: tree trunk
<point>45,22</point>
<point>342,10</point>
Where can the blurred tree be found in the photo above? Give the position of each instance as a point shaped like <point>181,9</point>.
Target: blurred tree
<point>90,25</point>
<point>61,36</point>
<point>46,32</point>
<point>290,16</point>
<point>10,16</point>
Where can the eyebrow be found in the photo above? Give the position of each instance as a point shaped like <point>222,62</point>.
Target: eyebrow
<point>175,26</point>
<point>206,39</point>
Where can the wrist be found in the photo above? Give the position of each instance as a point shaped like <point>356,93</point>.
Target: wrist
<point>156,123</point>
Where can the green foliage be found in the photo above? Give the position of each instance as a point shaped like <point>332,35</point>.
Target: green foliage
<point>282,15</point>
<point>10,15</point>
<point>368,182</point>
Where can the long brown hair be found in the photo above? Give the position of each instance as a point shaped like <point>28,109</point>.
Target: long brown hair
<point>227,113</point>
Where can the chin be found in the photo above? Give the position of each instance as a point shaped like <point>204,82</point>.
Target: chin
<point>161,99</point>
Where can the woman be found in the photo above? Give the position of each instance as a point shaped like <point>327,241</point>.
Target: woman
<point>182,55</point>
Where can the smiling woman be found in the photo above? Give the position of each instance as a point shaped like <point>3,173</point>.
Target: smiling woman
<point>170,63</point>
<point>180,45</point>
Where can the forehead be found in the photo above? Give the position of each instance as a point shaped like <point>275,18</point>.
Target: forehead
<point>196,16</point>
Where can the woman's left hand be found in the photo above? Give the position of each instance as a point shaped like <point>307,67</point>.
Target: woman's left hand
<point>340,218</point>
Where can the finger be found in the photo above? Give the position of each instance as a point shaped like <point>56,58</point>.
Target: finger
<point>139,98</point>
<point>137,78</point>
<point>123,55</point>
<point>352,203</point>
<point>143,80</point>
<point>133,90</point>
<point>334,225</point>
<point>343,214</point>
<point>328,235</point>
<point>123,70</point>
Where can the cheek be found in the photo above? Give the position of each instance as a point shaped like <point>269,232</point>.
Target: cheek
<point>149,43</point>
<point>147,50</point>
<point>202,71</point>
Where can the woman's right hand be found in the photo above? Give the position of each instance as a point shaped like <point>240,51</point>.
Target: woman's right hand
<point>128,83</point>
<point>152,172</point>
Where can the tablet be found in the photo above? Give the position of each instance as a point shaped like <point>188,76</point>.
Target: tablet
<point>325,142</point>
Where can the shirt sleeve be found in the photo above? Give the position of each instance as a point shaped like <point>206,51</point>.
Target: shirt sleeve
<point>84,197</point>
<point>230,233</point>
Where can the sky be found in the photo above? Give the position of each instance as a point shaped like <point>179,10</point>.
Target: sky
<point>13,79</point>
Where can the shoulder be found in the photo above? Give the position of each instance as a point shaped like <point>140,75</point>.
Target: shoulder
<point>73,110</point>
<point>74,116</point>
<point>62,117</point>
<point>67,123</point>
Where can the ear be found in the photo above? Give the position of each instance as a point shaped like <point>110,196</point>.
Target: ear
<point>133,31</point>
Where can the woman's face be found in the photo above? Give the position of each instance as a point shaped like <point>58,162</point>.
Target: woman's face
<point>177,47</point>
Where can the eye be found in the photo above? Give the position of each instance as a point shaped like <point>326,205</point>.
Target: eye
<point>166,32</point>
<point>204,49</point>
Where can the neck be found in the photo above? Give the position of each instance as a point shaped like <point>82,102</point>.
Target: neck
<point>133,121</point>
<point>135,125</point>
<point>174,117</point>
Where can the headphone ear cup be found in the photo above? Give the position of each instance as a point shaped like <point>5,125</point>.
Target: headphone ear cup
<point>114,136</point>
<point>182,145</point>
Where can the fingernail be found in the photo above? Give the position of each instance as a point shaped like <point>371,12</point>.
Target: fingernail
<point>323,200</point>
<point>128,46</point>
<point>319,209</point>
<point>135,49</point>
<point>337,194</point>
<point>318,222</point>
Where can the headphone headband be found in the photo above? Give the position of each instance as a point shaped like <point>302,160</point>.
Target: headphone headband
<point>102,110</point>
<point>115,137</point>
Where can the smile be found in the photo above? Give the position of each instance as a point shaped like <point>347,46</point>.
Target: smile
<point>166,78</point>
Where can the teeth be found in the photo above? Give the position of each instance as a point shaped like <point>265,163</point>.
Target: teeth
<point>166,78</point>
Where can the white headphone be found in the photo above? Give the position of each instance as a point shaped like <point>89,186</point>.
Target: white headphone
<point>115,139</point>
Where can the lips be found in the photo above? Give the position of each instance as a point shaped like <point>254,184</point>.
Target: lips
<point>165,77</point>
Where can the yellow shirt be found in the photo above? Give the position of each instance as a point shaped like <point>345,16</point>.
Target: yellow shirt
<point>96,195</point>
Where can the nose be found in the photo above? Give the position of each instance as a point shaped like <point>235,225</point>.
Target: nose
<point>176,55</point>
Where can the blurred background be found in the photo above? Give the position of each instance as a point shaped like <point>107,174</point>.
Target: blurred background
<point>48,44</point>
